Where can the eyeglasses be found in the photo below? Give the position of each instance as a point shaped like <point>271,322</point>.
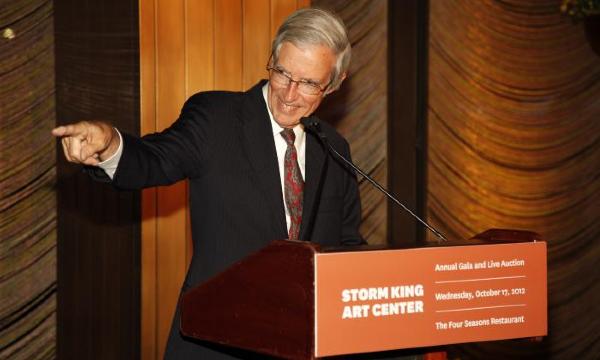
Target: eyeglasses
<point>281,78</point>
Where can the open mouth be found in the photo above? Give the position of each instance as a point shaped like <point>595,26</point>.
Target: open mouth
<point>288,107</point>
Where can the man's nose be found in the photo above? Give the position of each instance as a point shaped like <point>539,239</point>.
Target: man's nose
<point>291,91</point>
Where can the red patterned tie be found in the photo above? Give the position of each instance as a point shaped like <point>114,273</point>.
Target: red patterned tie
<point>293,184</point>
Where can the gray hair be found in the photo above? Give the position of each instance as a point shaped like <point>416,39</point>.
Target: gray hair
<point>316,27</point>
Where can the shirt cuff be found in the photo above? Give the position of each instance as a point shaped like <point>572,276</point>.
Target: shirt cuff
<point>110,165</point>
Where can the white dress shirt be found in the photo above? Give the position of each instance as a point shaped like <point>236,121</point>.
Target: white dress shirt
<point>281,147</point>
<point>110,165</point>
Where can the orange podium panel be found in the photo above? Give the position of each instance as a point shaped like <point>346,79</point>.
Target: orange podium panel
<point>395,299</point>
<point>294,300</point>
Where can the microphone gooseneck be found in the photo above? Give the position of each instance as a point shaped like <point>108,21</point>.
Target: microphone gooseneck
<point>312,124</point>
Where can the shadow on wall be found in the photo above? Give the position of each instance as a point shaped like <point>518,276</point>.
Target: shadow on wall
<point>591,25</point>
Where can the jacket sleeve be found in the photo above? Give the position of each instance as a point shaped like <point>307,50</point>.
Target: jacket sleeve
<point>171,155</point>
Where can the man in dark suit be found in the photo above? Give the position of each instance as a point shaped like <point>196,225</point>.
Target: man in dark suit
<point>255,174</point>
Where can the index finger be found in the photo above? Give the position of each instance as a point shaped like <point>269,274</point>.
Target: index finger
<point>69,130</point>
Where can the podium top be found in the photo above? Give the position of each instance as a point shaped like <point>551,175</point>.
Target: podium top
<point>496,236</point>
<point>491,236</point>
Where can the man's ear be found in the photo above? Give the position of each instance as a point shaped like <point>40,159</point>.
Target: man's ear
<point>342,78</point>
<point>271,61</point>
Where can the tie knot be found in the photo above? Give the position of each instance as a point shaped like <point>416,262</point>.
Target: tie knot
<point>289,136</point>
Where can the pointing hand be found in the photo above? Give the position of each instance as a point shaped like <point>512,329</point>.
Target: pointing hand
<point>88,142</point>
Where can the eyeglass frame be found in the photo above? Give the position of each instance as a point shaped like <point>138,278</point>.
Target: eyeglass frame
<point>298,82</point>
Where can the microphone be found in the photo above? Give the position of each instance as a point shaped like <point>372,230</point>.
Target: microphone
<point>312,124</point>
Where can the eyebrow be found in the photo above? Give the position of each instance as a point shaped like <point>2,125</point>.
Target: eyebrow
<point>310,81</point>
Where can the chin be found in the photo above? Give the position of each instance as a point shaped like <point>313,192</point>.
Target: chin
<point>286,120</point>
<point>289,123</point>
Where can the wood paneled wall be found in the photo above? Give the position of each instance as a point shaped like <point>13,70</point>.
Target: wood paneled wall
<point>186,47</point>
<point>98,231</point>
<point>28,289</point>
<point>359,109</point>
<point>514,142</point>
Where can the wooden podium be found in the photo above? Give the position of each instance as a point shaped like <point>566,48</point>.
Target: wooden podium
<point>296,301</point>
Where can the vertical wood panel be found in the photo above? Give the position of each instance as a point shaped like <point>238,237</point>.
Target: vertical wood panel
<point>256,41</point>
<point>97,64</point>
<point>149,206</point>
<point>280,9</point>
<point>148,275</point>
<point>228,45</point>
<point>172,206</point>
<point>199,66</point>
<point>407,119</point>
<point>200,47</point>
<point>300,4</point>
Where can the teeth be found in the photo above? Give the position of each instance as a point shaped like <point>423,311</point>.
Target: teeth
<point>288,107</point>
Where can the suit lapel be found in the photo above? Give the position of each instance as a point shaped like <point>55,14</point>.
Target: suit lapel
<point>257,137</point>
<point>314,162</point>
<point>259,146</point>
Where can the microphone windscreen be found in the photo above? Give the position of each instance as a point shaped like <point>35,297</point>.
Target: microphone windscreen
<point>309,122</point>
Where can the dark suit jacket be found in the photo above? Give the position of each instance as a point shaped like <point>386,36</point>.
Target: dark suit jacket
<point>223,143</point>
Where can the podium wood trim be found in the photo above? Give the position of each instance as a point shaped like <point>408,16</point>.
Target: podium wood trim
<point>263,303</point>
